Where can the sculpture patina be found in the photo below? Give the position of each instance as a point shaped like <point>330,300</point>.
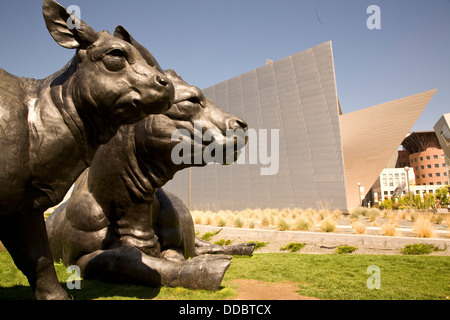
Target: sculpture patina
<point>119,225</point>
<point>51,129</point>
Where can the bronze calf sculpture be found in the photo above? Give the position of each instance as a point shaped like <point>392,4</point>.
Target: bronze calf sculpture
<point>119,225</point>
<point>50,130</point>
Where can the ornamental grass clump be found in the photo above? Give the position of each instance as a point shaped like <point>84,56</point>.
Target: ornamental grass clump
<point>303,223</point>
<point>359,227</point>
<point>328,224</point>
<point>423,228</point>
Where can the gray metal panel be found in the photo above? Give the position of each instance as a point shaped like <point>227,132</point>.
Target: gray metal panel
<point>296,95</point>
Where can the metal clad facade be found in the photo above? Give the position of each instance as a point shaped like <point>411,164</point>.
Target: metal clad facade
<point>296,95</point>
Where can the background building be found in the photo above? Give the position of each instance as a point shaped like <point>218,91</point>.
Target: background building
<point>442,130</point>
<point>426,158</point>
<point>326,158</point>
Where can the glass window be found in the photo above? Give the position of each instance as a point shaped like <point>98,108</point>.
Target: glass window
<point>435,156</point>
<point>429,166</point>
<point>438,174</point>
<point>436,165</point>
<point>428,157</point>
<point>421,158</point>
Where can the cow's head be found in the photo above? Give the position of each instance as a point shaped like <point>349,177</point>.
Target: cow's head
<point>112,82</point>
<point>157,135</point>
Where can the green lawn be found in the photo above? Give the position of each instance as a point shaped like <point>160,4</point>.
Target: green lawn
<point>325,276</point>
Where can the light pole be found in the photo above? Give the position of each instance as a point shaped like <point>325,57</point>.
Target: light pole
<point>359,194</point>
<point>407,183</point>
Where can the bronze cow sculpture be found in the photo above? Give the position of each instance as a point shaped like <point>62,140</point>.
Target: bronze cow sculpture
<point>119,225</point>
<point>50,130</point>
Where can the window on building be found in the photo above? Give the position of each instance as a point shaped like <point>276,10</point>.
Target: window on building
<point>418,192</point>
<point>385,193</point>
<point>430,175</point>
<point>445,174</point>
<point>421,158</point>
<point>436,165</point>
<point>429,166</point>
<point>431,184</point>
<point>443,165</point>
<point>417,177</point>
<point>438,174</point>
<point>435,156</point>
<point>422,167</point>
<point>428,157</point>
<point>423,176</point>
<point>439,183</point>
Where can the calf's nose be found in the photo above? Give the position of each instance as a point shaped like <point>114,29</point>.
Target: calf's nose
<point>162,80</point>
<point>237,123</point>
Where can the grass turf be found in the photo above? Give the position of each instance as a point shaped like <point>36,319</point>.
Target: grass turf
<point>326,276</point>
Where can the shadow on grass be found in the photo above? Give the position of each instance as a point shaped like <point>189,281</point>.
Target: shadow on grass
<point>16,293</point>
<point>90,290</point>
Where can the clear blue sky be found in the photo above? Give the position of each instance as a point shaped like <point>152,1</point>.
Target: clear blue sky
<point>209,41</point>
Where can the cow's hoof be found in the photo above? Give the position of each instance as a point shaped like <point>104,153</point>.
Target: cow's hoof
<point>54,294</point>
<point>204,272</point>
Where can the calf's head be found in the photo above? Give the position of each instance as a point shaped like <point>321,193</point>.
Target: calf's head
<point>111,82</point>
<point>193,132</point>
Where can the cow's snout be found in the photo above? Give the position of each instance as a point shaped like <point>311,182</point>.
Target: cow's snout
<point>236,123</point>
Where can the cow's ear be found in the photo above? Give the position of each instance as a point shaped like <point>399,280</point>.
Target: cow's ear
<point>122,33</point>
<point>68,30</point>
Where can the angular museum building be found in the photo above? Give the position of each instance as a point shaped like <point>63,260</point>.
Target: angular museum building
<point>302,151</point>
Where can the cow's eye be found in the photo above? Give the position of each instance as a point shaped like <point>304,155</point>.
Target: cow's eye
<point>116,53</point>
<point>115,60</point>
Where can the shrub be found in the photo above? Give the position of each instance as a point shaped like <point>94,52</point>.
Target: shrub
<point>345,249</point>
<point>258,244</point>
<point>293,247</point>
<point>251,224</point>
<point>208,235</point>
<point>221,222</point>
<point>223,242</point>
<point>357,212</point>
<point>372,214</point>
<point>359,227</point>
<point>238,223</point>
<point>420,248</point>
<point>424,228</point>
<point>388,229</point>
<point>328,225</point>
<point>303,223</point>
<point>265,221</point>
<point>282,225</point>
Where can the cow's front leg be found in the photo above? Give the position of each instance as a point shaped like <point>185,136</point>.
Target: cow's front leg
<point>26,241</point>
<point>128,264</point>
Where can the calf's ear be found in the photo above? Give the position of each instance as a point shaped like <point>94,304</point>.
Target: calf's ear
<point>68,30</point>
<point>122,33</point>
